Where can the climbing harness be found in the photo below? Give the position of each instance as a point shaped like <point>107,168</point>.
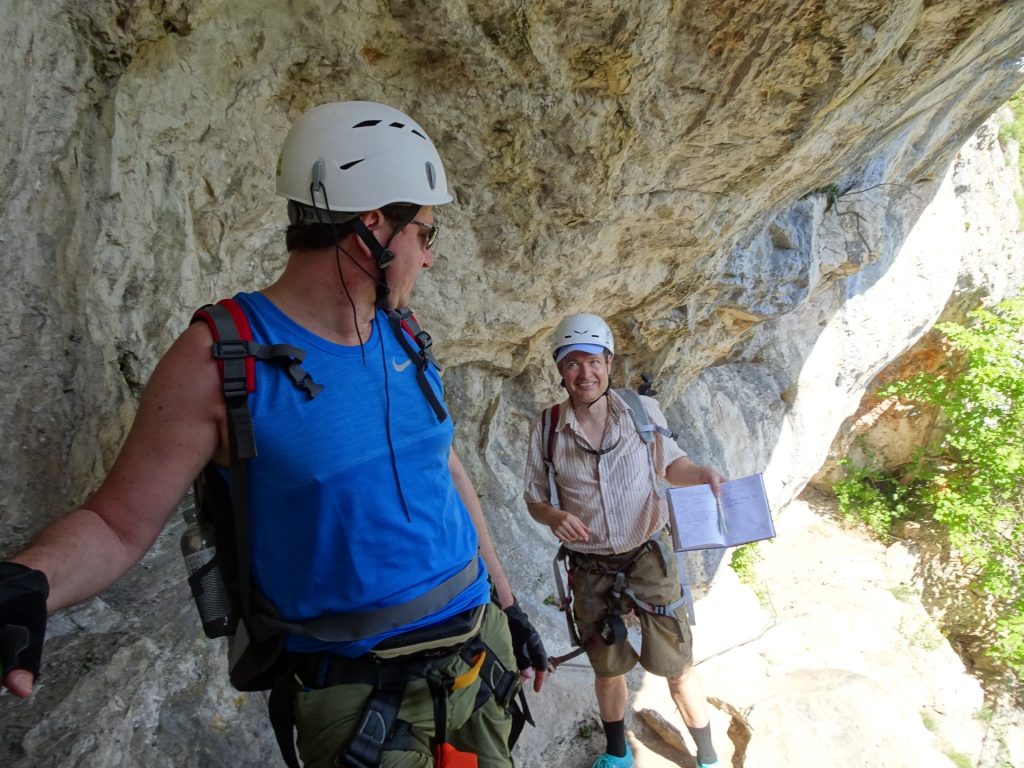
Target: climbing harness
<point>612,628</point>
<point>380,728</point>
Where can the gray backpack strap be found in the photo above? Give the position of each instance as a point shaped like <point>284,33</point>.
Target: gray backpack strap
<point>346,627</point>
<point>646,429</point>
<point>644,426</point>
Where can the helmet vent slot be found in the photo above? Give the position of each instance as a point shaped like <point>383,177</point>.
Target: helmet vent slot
<point>367,124</point>
<point>346,166</point>
<point>396,125</point>
<point>418,133</point>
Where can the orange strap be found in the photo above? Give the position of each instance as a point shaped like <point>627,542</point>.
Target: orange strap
<point>448,756</point>
<point>469,677</point>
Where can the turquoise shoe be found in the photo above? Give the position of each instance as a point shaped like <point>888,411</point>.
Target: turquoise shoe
<point>611,761</point>
<point>715,764</point>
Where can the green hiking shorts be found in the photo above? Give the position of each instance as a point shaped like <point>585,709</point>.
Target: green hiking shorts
<point>666,646</point>
<point>326,718</point>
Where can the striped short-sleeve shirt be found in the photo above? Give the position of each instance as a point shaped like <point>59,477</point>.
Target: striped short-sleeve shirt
<point>617,494</point>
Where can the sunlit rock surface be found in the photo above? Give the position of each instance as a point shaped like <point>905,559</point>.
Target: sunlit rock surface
<point>742,189</point>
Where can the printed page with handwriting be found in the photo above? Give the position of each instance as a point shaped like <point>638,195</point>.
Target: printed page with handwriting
<point>698,522</point>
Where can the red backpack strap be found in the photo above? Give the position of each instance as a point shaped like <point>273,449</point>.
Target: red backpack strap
<point>230,329</point>
<point>236,353</point>
<point>550,426</point>
<point>412,327</point>
<point>237,366</point>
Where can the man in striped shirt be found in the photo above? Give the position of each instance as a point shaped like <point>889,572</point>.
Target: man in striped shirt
<point>596,484</point>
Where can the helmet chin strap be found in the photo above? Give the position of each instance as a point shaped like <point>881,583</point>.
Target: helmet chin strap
<point>382,253</point>
<point>384,257</point>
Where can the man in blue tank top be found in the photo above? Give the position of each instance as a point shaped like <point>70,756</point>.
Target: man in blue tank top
<point>359,510</point>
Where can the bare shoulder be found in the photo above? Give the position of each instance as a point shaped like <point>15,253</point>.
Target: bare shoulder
<point>178,429</point>
<point>184,390</point>
<point>187,365</point>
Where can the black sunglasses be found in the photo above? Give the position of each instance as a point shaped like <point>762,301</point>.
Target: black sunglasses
<point>429,229</point>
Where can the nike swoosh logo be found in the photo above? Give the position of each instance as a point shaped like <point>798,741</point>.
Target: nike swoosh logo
<point>400,366</point>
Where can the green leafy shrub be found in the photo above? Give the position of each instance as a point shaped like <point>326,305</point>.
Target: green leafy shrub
<point>872,496</point>
<point>744,561</point>
<point>971,480</point>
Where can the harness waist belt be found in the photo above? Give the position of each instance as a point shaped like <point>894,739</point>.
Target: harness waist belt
<point>448,634</point>
<point>345,627</point>
<point>609,563</point>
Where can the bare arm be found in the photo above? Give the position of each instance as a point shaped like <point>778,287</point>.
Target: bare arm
<point>505,597</point>
<point>177,429</point>
<point>468,494</point>
<point>565,525</point>
<point>682,471</point>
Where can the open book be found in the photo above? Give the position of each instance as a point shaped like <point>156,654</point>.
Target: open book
<point>699,521</point>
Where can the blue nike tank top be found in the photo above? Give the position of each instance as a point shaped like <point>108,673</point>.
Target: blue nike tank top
<point>329,531</point>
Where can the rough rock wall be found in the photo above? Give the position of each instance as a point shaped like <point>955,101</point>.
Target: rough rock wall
<point>988,199</point>
<point>987,207</point>
<point>731,184</point>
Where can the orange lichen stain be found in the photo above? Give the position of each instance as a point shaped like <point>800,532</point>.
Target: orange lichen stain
<point>372,55</point>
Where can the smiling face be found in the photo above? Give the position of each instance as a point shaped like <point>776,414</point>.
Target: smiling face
<point>585,375</point>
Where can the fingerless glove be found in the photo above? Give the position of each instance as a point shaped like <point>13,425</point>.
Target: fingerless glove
<point>23,593</point>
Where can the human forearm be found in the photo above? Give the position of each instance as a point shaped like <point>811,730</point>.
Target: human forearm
<point>544,513</point>
<point>490,556</point>
<point>179,427</point>
<point>467,493</point>
<point>682,471</point>
<point>81,556</point>
<point>566,526</point>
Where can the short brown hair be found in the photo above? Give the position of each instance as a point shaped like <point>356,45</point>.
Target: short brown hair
<point>312,237</point>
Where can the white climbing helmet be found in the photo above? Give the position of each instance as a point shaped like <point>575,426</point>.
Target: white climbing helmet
<point>365,155</point>
<point>588,333</point>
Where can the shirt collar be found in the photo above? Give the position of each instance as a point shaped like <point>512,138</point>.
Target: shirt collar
<point>566,412</point>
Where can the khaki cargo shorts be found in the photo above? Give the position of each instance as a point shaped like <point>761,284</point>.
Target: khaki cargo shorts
<point>666,647</point>
<point>326,719</point>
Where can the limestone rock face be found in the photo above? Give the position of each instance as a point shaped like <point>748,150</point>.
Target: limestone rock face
<point>751,193</point>
<point>982,174</point>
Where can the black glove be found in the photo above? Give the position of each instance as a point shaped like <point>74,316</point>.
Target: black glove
<point>23,593</point>
<point>526,642</point>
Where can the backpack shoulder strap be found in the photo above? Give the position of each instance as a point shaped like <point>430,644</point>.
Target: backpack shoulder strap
<point>231,335</point>
<point>411,325</point>
<point>549,426</point>
<point>236,354</point>
<point>645,427</point>
<point>406,330</point>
